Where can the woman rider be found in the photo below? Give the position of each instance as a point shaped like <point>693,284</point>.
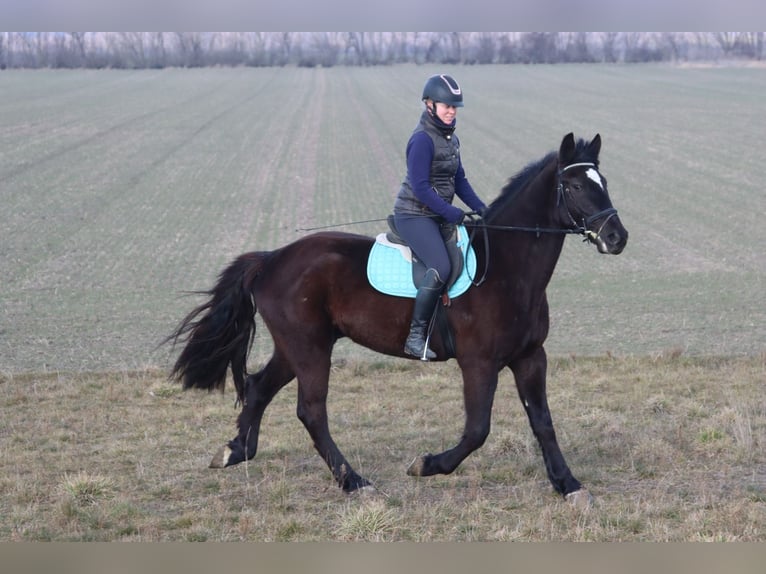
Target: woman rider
<point>424,203</point>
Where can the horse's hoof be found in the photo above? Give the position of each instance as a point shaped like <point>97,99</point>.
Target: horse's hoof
<point>221,458</point>
<point>581,499</point>
<point>416,466</point>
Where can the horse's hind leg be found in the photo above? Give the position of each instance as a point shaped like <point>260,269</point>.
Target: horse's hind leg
<point>260,389</point>
<point>530,374</point>
<point>313,380</point>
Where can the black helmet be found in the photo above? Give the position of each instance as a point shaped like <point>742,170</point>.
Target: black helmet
<point>443,88</point>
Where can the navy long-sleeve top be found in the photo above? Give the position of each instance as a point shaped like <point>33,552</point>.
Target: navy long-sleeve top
<point>420,153</point>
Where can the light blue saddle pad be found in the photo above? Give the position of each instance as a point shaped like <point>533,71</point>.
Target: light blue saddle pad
<point>389,267</point>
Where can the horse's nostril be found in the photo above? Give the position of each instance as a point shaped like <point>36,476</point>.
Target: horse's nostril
<point>617,239</point>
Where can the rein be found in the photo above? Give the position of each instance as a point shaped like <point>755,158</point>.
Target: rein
<point>476,222</point>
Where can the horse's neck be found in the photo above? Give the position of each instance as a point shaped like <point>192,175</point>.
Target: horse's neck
<point>531,253</point>
<point>535,205</point>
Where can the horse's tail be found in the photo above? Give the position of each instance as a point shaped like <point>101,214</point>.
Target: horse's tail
<point>220,332</point>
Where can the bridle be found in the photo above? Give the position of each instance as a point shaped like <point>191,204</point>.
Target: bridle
<point>607,213</point>
<point>578,229</point>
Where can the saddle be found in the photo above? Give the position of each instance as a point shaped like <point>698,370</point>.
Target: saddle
<point>393,269</point>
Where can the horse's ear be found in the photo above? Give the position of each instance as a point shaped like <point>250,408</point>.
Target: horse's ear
<point>595,145</point>
<point>567,149</point>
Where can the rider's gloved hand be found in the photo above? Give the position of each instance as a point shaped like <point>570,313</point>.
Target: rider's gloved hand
<point>456,216</point>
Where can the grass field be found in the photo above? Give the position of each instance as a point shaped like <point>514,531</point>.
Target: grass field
<point>671,449</point>
<point>122,190</point>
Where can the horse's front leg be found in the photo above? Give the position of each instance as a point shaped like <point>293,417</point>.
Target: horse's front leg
<point>479,385</point>
<point>530,373</point>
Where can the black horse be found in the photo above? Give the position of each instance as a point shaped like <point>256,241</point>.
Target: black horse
<point>315,290</point>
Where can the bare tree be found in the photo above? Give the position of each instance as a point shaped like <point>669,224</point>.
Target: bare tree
<point>133,47</point>
<point>78,43</point>
<point>631,42</point>
<point>726,41</point>
<point>574,47</point>
<point>3,50</point>
<point>432,51</point>
<point>370,46</point>
<point>353,50</point>
<point>24,50</point>
<point>158,57</point>
<point>324,50</point>
<point>671,43</point>
<point>443,47</point>
<point>398,46</point>
<point>641,47</point>
<point>190,49</point>
<point>258,51</point>
<point>485,52</point>
<point>418,47</point>
<point>507,51</point>
<point>193,49</point>
<point>33,49</point>
<point>705,45</point>
<point>609,46</point>
<point>539,47</point>
<point>284,44</point>
<point>749,44</point>
<point>42,49</point>
<point>456,54</point>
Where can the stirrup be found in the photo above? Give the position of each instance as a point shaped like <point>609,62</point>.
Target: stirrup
<point>412,347</point>
<point>426,355</point>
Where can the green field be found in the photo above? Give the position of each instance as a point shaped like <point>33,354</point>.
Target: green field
<point>122,190</point>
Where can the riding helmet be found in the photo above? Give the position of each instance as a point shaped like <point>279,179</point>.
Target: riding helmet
<point>443,88</point>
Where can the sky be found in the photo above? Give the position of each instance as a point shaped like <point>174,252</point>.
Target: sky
<point>388,15</point>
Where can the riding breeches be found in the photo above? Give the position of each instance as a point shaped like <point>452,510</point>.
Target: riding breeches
<point>423,235</point>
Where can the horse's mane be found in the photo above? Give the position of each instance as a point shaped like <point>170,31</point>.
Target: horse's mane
<point>527,174</point>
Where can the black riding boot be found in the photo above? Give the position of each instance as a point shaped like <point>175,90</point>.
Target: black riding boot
<point>425,304</point>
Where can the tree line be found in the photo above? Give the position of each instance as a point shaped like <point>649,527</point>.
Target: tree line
<point>139,50</point>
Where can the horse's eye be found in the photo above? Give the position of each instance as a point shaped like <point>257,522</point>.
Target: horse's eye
<point>577,187</point>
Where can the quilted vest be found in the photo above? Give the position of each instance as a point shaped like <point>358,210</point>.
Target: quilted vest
<point>443,168</point>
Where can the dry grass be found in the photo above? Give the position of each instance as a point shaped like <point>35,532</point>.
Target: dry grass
<point>670,446</point>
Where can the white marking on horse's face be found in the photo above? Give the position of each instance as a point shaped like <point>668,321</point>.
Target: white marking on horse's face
<point>595,176</point>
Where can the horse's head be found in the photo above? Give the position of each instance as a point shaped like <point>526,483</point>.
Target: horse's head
<point>583,195</point>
